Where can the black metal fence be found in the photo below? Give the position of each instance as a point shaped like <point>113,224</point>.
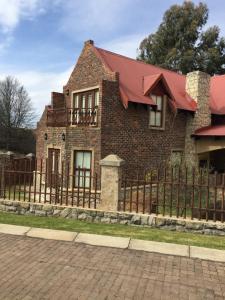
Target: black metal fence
<point>180,192</point>
<point>40,184</point>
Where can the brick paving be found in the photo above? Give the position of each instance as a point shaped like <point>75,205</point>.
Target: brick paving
<point>33,268</point>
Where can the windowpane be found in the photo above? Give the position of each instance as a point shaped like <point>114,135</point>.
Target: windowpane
<point>97,98</point>
<point>83,159</point>
<point>90,101</point>
<point>79,159</point>
<point>83,101</point>
<point>158,119</point>
<point>154,98</point>
<point>152,118</point>
<point>156,116</point>
<point>159,103</point>
<point>87,160</point>
<point>80,178</point>
<point>75,101</point>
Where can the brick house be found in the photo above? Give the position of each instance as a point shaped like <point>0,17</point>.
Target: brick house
<point>144,114</point>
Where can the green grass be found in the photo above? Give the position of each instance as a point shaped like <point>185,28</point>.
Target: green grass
<point>151,234</point>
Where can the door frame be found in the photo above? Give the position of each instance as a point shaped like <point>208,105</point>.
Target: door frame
<point>51,146</point>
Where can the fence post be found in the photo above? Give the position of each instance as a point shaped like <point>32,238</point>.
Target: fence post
<point>36,181</point>
<point>2,180</point>
<point>111,173</point>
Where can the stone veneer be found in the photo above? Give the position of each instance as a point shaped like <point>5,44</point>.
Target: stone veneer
<point>197,86</point>
<point>100,216</point>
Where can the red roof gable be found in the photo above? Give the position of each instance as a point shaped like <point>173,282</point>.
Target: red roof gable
<point>137,77</point>
<point>150,81</point>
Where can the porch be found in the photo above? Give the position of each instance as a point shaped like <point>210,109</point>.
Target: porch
<point>210,147</point>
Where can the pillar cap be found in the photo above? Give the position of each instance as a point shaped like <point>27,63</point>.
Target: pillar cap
<point>112,160</point>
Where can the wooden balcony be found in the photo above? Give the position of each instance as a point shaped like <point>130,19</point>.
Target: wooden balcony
<point>64,117</point>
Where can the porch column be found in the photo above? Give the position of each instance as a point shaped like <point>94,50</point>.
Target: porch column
<point>111,173</point>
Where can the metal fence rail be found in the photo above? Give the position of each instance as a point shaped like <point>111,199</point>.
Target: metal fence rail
<point>180,192</point>
<point>42,185</point>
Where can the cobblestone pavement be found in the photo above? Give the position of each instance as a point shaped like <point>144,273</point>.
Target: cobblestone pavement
<point>33,268</point>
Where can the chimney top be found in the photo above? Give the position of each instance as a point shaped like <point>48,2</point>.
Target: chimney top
<point>89,42</point>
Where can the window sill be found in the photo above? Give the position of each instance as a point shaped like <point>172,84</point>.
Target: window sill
<point>157,128</point>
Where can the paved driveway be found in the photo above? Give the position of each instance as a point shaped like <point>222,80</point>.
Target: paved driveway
<point>33,268</point>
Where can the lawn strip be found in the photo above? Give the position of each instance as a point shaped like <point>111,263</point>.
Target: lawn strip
<point>135,232</point>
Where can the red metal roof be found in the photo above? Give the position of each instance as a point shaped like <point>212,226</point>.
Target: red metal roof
<point>217,94</point>
<point>150,81</point>
<point>211,131</point>
<point>136,79</point>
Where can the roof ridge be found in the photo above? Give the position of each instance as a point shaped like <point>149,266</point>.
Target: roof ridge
<point>138,61</point>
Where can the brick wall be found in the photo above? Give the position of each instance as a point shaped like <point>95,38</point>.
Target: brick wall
<point>127,132</point>
<point>120,131</point>
<point>58,100</point>
<point>88,72</point>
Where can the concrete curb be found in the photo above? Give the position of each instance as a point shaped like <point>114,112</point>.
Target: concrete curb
<point>116,242</point>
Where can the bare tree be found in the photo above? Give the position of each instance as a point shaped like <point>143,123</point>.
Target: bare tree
<point>15,107</point>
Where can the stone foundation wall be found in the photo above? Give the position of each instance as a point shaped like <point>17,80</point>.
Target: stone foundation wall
<point>107,217</point>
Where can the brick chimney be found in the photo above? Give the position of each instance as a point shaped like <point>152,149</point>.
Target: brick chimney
<point>197,86</point>
<point>89,42</point>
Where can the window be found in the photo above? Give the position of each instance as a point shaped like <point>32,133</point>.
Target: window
<point>85,106</point>
<point>157,114</point>
<point>86,100</point>
<point>82,168</point>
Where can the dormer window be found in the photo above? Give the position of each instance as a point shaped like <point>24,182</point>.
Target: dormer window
<point>157,115</point>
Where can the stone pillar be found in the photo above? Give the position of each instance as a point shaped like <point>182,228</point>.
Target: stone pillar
<point>111,173</point>
<point>197,87</point>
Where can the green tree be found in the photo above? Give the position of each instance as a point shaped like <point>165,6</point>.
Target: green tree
<point>180,43</point>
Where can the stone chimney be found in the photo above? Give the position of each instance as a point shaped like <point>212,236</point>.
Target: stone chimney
<point>197,87</point>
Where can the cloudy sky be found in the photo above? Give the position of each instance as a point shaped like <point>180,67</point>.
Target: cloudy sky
<point>40,40</point>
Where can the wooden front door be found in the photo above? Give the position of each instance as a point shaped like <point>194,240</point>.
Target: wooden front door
<point>53,166</point>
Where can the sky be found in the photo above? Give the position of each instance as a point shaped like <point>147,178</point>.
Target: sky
<point>40,40</point>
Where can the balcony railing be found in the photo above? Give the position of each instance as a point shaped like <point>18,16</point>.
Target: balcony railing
<point>72,116</point>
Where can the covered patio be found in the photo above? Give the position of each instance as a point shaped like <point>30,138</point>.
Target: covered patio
<point>210,147</point>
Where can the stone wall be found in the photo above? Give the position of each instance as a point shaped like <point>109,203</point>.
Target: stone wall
<point>107,217</point>
<point>197,86</point>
